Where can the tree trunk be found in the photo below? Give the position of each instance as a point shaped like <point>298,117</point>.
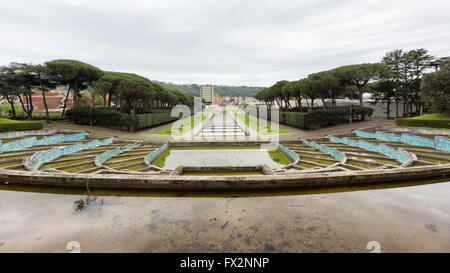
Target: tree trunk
<point>406,103</point>
<point>288,104</point>
<point>279,105</point>
<point>30,107</point>
<point>299,103</point>
<point>323,103</point>
<point>13,109</point>
<point>21,104</point>
<point>388,108</point>
<point>109,100</point>
<point>411,103</point>
<point>65,102</point>
<point>47,116</point>
<point>396,110</point>
<point>360,91</point>
<point>76,93</point>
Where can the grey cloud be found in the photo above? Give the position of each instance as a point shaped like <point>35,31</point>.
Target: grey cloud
<point>224,42</point>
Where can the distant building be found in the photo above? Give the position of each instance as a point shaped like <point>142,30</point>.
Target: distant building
<point>217,99</point>
<point>207,93</point>
<point>55,100</point>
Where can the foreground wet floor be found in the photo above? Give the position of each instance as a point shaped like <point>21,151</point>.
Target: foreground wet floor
<point>403,219</point>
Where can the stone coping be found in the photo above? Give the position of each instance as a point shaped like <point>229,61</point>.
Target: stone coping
<point>204,183</point>
<point>264,169</point>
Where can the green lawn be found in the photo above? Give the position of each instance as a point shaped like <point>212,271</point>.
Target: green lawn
<point>9,125</point>
<point>428,121</point>
<point>434,116</point>
<point>6,107</point>
<point>8,121</point>
<point>254,123</point>
<point>186,125</point>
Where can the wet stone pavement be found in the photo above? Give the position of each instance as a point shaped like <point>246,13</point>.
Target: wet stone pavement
<point>405,219</point>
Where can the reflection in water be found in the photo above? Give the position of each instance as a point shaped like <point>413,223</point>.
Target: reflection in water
<point>413,218</point>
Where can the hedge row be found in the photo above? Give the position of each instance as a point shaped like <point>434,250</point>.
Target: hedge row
<point>422,123</point>
<point>20,126</point>
<point>113,118</point>
<point>324,117</point>
<point>147,120</point>
<point>41,117</point>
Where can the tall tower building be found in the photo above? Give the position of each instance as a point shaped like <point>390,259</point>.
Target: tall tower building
<point>207,93</point>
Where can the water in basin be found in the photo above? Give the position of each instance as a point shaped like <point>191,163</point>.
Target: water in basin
<point>220,156</point>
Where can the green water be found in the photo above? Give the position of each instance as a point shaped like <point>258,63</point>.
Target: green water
<point>220,156</point>
<point>221,173</point>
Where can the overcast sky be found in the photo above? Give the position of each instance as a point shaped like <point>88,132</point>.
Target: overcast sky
<point>233,42</point>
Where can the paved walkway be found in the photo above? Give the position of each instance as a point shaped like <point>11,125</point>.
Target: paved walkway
<point>221,125</point>
<point>147,135</point>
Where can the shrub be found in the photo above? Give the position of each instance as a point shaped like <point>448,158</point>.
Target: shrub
<point>324,117</point>
<point>81,115</point>
<point>7,125</point>
<point>109,118</point>
<point>147,120</point>
<point>42,117</point>
<point>443,123</point>
<point>113,118</point>
<point>97,116</point>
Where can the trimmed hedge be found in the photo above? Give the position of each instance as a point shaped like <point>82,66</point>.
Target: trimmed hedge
<point>42,117</point>
<point>147,120</point>
<point>323,117</point>
<point>113,118</point>
<point>422,123</point>
<point>13,126</point>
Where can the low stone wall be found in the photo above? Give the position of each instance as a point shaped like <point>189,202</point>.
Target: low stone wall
<point>201,183</point>
<point>151,157</point>
<point>24,143</point>
<point>100,159</point>
<point>28,133</point>
<point>442,143</point>
<point>417,140</point>
<point>196,130</point>
<point>38,159</point>
<point>264,169</point>
<point>408,139</point>
<point>421,131</point>
<point>331,151</point>
<point>248,131</point>
<point>401,155</point>
<point>75,137</point>
<point>290,154</point>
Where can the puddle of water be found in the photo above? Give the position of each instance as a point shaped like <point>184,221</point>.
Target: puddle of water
<point>406,219</point>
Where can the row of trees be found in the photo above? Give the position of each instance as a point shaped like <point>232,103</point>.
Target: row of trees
<point>128,92</point>
<point>436,89</point>
<point>403,82</point>
<point>347,80</point>
<point>396,78</point>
